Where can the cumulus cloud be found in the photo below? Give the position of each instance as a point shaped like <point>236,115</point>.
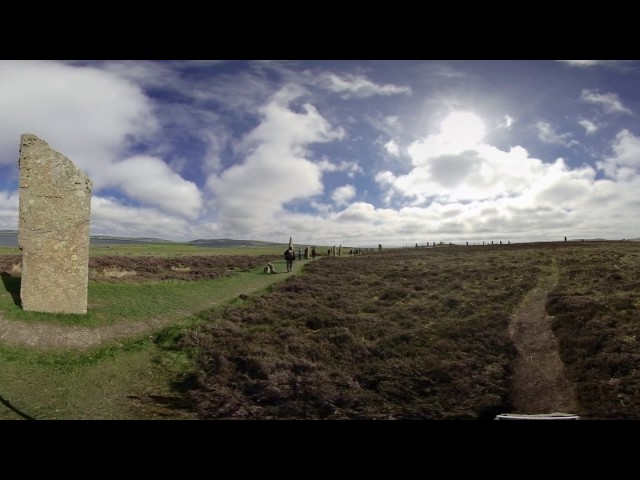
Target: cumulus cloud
<point>343,194</point>
<point>459,190</point>
<point>610,102</point>
<point>481,172</point>
<point>358,86</point>
<point>90,116</point>
<point>358,212</point>
<point>152,182</point>
<point>278,167</point>
<point>528,194</point>
<point>109,216</point>
<point>9,210</point>
<point>85,113</point>
<point>480,192</point>
<point>624,164</point>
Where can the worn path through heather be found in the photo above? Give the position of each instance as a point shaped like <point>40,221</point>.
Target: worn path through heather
<point>539,384</point>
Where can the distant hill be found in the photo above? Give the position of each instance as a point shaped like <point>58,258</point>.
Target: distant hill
<point>9,238</point>
<point>229,242</point>
<point>109,238</point>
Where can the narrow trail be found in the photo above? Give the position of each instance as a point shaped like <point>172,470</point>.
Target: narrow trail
<point>55,336</point>
<point>539,382</point>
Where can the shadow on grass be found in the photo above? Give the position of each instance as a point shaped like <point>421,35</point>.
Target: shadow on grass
<point>12,285</point>
<point>7,404</point>
<point>179,402</point>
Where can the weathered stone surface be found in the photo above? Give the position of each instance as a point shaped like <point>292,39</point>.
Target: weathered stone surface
<point>53,229</point>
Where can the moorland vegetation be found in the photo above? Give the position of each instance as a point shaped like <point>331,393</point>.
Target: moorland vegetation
<point>407,334</point>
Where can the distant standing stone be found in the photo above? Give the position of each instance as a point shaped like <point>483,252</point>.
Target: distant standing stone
<point>53,229</point>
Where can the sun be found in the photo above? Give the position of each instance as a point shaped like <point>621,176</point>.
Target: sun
<point>462,129</point>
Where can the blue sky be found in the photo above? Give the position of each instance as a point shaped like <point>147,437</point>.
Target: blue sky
<point>348,152</point>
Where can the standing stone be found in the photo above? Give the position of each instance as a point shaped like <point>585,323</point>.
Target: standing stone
<point>53,229</point>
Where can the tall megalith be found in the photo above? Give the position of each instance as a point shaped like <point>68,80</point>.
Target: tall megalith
<point>53,229</point>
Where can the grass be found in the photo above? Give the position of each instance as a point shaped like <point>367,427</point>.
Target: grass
<point>125,381</point>
<point>134,379</point>
<point>402,334</point>
<point>112,302</point>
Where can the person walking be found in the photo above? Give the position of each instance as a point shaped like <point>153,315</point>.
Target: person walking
<point>290,257</point>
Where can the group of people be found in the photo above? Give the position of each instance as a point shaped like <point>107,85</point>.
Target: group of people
<point>290,256</point>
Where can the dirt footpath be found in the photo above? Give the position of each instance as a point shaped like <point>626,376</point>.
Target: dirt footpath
<point>539,383</point>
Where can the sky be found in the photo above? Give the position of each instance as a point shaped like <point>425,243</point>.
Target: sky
<point>337,152</point>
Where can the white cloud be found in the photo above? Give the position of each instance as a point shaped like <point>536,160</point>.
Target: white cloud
<point>584,63</point>
<point>528,195</point>
<point>110,217</point>
<point>84,113</point>
<point>547,134</point>
<point>624,165</point>
<point>357,86</point>
<point>90,116</point>
<point>610,102</point>
<point>594,63</point>
<point>459,172</point>
<point>278,168</point>
<point>152,182</point>
<point>358,212</point>
<point>392,148</point>
<point>9,210</point>
<point>478,173</point>
<point>343,194</point>
<point>482,191</point>
<point>350,167</point>
<point>506,122</point>
<point>588,125</point>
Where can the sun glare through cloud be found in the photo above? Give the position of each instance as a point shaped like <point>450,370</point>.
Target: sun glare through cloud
<point>462,129</point>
